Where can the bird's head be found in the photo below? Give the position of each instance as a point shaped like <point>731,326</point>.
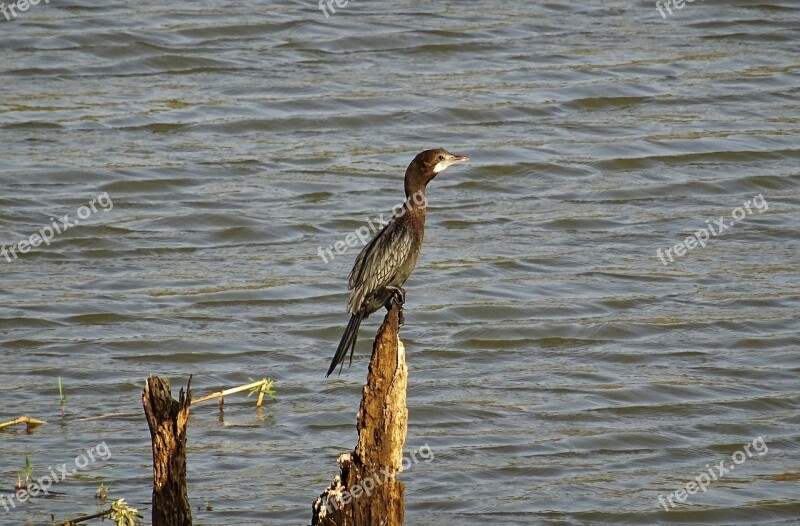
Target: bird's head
<point>427,165</point>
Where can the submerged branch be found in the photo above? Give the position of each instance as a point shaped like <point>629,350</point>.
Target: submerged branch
<point>31,422</point>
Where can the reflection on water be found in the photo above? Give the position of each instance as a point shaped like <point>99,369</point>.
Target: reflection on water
<point>559,370</point>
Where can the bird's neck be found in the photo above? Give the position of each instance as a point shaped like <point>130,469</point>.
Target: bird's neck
<point>414,183</point>
<point>416,199</point>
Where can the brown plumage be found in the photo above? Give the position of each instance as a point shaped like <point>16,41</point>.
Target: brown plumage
<point>386,262</point>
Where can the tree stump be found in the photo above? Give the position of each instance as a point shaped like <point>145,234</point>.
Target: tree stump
<point>366,492</point>
<point>167,419</point>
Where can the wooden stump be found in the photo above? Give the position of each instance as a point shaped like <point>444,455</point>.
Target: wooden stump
<point>366,492</point>
<point>167,419</point>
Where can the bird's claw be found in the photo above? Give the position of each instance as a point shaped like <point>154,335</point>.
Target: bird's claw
<point>398,295</point>
<point>399,299</point>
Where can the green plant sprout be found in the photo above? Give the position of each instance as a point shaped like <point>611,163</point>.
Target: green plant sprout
<point>266,387</point>
<point>102,492</point>
<point>63,396</point>
<point>28,471</point>
<point>123,514</point>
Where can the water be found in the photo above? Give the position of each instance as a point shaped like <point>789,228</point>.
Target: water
<point>559,372</point>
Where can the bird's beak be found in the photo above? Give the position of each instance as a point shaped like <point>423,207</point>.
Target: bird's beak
<point>449,160</point>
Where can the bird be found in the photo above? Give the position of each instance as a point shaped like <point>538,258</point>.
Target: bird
<point>385,263</point>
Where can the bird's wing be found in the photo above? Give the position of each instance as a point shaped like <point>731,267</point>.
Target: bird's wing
<point>377,262</point>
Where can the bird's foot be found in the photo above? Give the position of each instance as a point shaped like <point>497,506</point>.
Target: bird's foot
<point>398,295</point>
<point>399,298</point>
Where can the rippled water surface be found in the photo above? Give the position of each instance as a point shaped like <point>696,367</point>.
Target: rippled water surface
<point>559,371</point>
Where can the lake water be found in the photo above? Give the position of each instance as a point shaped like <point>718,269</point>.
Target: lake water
<point>559,371</point>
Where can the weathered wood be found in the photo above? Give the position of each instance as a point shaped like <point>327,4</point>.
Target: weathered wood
<point>264,385</point>
<point>31,422</point>
<point>366,491</point>
<point>167,419</point>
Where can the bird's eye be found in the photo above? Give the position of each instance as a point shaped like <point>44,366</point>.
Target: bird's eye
<point>441,157</point>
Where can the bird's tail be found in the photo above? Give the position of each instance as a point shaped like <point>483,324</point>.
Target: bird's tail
<point>348,341</point>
